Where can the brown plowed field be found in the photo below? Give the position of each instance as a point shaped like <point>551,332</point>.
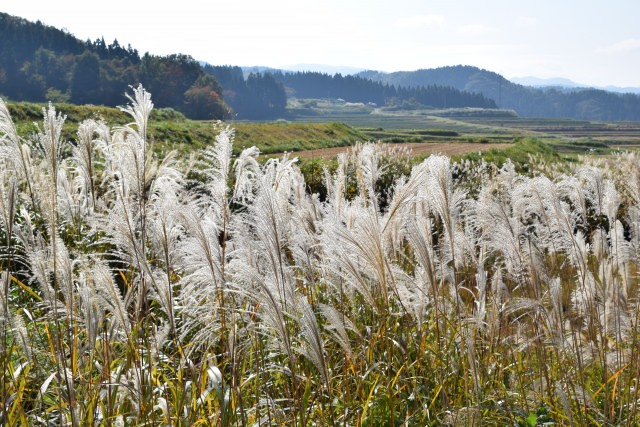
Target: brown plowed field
<point>418,148</point>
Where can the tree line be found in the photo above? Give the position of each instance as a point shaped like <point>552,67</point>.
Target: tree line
<point>358,89</point>
<point>264,95</point>
<point>259,96</point>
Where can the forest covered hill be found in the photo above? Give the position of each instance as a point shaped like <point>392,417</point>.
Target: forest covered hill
<point>42,63</point>
<point>581,103</point>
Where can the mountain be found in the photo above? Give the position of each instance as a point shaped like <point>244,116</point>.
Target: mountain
<point>580,103</point>
<point>326,69</point>
<point>538,82</point>
<point>561,82</point>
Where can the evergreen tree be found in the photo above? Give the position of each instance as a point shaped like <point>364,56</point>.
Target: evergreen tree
<point>85,80</point>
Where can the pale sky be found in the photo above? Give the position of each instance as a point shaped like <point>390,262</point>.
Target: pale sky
<point>588,41</point>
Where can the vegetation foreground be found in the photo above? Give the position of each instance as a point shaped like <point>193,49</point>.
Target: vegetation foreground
<point>217,291</point>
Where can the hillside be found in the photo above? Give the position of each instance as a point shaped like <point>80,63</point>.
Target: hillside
<point>584,104</point>
<point>169,129</point>
<point>41,63</point>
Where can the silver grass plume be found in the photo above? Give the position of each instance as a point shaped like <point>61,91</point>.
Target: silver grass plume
<point>40,263</point>
<point>538,204</point>
<point>140,110</point>
<point>336,184</point>
<point>445,201</point>
<point>13,320</point>
<point>73,206</point>
<point>420,233</point>
<point>586,297</point>
<point>15,154</point>
<point>96,274</point>
<point>216,167</point>
<point>312,347</point>
<point>90,315</point>
<point>614,318</point>
<point>403,204</point>
<point>502,230</point>
<point>8,131</point>
<point>65,275</point>
<point>269,217</point>
<point>49,139</point>
<point>338,324</point>
<point>86,162</point>
<point>357,253</point>
<point>368,171</point>
<point>8,202</point>
<point>246,169</point>
<point>199,258</point>
<point>593,187</point>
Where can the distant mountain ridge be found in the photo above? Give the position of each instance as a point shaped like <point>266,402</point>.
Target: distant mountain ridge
<point>568,84</point>
<point>527,101</point>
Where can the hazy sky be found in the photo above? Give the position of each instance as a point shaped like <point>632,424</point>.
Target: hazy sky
<point>589,41</point>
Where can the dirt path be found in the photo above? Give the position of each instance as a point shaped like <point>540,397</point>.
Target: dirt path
<point>418,148</point>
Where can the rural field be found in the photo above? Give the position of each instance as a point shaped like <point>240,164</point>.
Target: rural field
<point>416,149</point>
<point>196,282</point>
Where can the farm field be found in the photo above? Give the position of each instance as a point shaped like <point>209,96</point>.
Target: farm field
<point>491,125</point>
<point>416,148</point>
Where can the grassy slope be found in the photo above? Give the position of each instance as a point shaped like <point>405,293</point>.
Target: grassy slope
<point>171,130</point>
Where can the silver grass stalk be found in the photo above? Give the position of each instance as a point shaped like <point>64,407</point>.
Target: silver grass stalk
<point>480,302</point>
<point>556,316</point>
<point>166,231</point>
<point>273,313</point>
<point>420,234</point>
<point>8,203</point>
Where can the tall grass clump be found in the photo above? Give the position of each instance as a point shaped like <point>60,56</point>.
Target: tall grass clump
<point>218,290</point>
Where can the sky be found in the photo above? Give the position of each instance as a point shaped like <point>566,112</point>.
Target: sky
<point>592,42</point>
